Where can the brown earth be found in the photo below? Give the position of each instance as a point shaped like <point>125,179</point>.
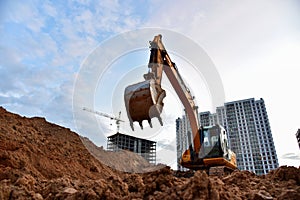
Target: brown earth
<point>40,160</point>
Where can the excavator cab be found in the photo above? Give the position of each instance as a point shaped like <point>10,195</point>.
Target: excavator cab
<point>214,150</point>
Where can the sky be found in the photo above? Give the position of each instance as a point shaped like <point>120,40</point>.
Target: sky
<point>254,46</point>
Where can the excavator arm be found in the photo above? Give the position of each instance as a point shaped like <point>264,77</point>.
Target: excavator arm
<point>144,101</point>
<point>180,88</point>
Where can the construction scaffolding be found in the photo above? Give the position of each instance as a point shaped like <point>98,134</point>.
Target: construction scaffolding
<point>143,147</point>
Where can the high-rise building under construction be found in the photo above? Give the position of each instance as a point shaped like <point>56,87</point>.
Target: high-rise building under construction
<point>142,147</point>
<point>248,128</point>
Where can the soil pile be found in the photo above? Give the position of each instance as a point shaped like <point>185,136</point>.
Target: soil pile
<point>124,160</point>
<point>40,160</point>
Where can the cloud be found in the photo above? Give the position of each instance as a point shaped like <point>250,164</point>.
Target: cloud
<point>246,40</point>
<point>49,9</point>
<point>228,29</point>
<point>42,47</point>
<point>291,156</point>
<point>28,14</point>
<point>165,144</point>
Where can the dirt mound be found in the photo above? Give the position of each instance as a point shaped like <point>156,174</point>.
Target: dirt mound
<point>123,160</point>
<point>40,160</point>
<point>44,150</point>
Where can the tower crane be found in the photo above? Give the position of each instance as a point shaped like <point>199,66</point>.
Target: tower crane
<point>117,119</point>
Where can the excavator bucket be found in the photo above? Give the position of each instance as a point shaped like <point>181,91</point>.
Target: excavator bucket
<point>143,101</point>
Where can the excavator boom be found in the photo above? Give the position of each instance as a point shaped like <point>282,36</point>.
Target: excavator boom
<point>144,101</point>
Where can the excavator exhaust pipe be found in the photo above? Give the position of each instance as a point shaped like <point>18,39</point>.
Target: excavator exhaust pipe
<point>144,101</point>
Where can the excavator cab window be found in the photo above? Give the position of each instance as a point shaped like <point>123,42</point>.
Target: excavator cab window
<point>214,140</point>
<point>206,138</point>
<point>209,139</point>
<point>211,143</point>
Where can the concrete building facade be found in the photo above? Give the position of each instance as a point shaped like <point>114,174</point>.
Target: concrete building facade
<point>143,147</point>
<point>183,138</point>
<point>249,133</point>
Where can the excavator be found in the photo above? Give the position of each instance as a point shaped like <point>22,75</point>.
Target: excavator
<point>209,148</point>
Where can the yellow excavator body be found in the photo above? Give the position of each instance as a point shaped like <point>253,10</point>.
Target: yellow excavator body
<point>144,101</point>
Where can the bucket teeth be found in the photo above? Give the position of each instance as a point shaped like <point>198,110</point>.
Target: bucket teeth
<point>131,125</point>
<point>160,121</point>
<point>141,124</point>
<point>144,101</point>
<point>150,123</point>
